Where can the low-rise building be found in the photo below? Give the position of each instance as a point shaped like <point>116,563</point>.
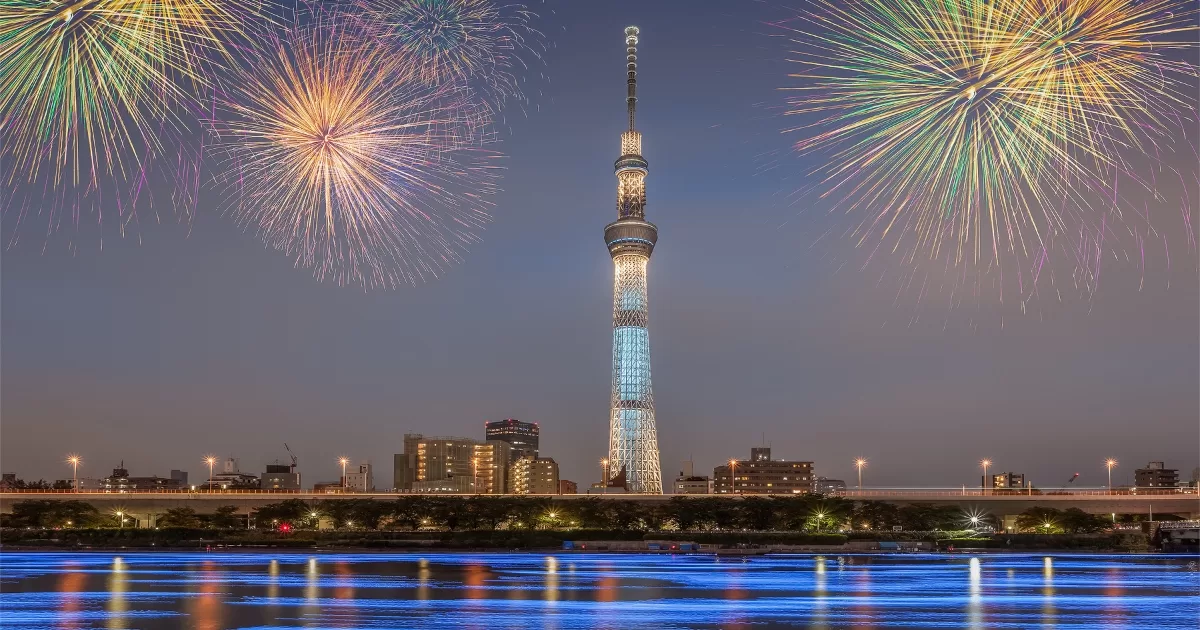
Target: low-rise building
<point>1008,480</point>
<point>120,481</point>
<point>762,475</point>
<point>530,475</point>
<point>825,485</point>
<point>1156,475</point>
<point>690,483</point>
<point>360,478</point>
<point>280,477</point>
<point>566,486</point>
<point>230,478</point>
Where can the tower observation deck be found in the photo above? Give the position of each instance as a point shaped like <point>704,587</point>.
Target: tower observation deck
<point>633,437</point>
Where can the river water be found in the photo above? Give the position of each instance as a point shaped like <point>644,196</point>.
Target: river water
<point>582,590</point>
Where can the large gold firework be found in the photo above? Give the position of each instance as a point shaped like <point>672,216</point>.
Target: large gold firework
<point>341,157</point>
<point>91,89</point>
<point>975,130</point>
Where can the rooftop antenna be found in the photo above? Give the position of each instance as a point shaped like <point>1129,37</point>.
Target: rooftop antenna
<point>631,41</point>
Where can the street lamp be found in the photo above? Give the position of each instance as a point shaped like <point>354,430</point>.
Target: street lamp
<point>1109,463</point>
<point>983,482</point>
<point>120,519</point>
<point>820,515</point>
<point>859,463</point>
<point>210,460</point>
<point>733,476</point>
<point>74,460</point>
<point>604,473</point>
<point>343,461</point>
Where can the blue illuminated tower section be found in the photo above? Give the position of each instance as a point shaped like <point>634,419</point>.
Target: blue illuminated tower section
<point>633,438</point>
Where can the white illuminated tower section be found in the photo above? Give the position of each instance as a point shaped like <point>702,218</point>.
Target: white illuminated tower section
<point>633,439</point>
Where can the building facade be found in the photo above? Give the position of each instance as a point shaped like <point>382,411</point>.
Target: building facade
<point>825,485</point>
<point>566,486</point>
<point>492,462</point>
<point>633,435</point>
<point>522,436</point>
<point>280,477</point>
<point>120,481</point>
<point>361,478</point>
<point>231,478</point>
<point>762,475</point>
<point>533,476</point>
<point>1008,480</point>
<point>1156,475</point>
<point>690,483</point>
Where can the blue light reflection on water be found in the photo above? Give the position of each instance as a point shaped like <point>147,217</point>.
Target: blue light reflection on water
<point>583,591</point>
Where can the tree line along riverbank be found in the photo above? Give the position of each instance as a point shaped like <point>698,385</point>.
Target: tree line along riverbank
<point>537,523</point>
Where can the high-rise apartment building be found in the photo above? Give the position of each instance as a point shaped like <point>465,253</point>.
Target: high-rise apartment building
<point>492,462</point>
<point>762,475</point>
<point>523,436</point>
<point>533,476</point>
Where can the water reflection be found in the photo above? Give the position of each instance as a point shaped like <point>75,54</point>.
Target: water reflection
<point>975,595</point>
<point>1049,609</point>
<point>116,594</point>
<point>159,591</point>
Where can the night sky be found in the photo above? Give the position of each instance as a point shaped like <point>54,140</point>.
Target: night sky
<point>200,340</point>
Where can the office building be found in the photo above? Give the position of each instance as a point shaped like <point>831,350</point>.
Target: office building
<point>762,475</point>
<point>522,436</point>
<point>633,436</point>
<point>533,476</point>
<point>444,464</point>
<point>1156,475</point>
<point>566,486</point>
<point>1008,480</point>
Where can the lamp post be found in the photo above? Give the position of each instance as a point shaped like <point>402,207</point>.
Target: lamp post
<point>820,515</point>
<point>343,461</point>
<point>733,476</point>
<point>604,473</point>
<point>859,463</point>
<point>120,519</point>
<point>983,482</point>
<point>210,460</point>
<point>74,461</point>
<point>1109,464</point>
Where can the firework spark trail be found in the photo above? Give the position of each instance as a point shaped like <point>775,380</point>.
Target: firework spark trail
<point>91,91</point>
<point>978,130</point>
<point>477,43</point>
<point>339,155</point>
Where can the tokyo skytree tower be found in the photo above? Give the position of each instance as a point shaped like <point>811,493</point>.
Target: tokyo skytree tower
<point>632,439</point>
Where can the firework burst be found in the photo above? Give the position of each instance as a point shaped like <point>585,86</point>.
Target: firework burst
<point>972,131</point>
<point>91,92</point>
<point>475,43</point>
<point>340,156</point>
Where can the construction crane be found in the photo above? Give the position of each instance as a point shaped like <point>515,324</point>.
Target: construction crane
<point>1071,480</point>
<point>293,456</point>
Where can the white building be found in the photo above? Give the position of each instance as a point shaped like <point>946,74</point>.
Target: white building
<point>360,479</point>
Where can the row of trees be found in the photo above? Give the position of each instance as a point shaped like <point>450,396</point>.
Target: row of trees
<point>804,513</point>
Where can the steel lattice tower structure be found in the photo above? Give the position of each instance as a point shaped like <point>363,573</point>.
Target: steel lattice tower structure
<point>633,438</point>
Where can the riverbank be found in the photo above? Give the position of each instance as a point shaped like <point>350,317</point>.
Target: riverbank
<point>583,540</point>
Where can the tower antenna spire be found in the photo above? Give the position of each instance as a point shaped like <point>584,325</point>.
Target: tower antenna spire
<point>631,42</point>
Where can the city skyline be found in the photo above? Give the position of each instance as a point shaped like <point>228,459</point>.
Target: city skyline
<point>200,331</point>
